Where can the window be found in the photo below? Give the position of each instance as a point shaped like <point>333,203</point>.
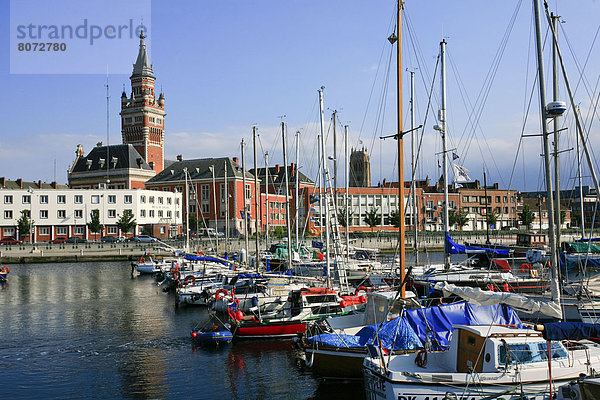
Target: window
<point>61,214</point>
<point>177,214</point>
<point>151,213</point>
<point>8,199</point>
<point>160,213</point>
<point>8,214</point>
<point>43,199</point>
<point>61,199</point>
<point>169,214</point>
<point>128,199</point>
<point>44,214</point>
<point>142,213</point>
<point>78,199</point>
<point>529,352</point>
<point>9,231</point>
<point>205,192</point>
<point>205,208</point>
<point>192,209</point>
<point>26,199</point>
<point>179,189</point>
<point>166,189</point>
<point>429,203</point>
<point>95,199</point>
<point>505,210</point>
<point>112,199</point>
<point>61,230</point>
<point>111,230</point>
<point>151,199</point>
<point>78,214</point>
<point>248,193</point>
<point>169,200</point>
<point>142,199</point>
<point>45,230</point>
<point>79,230</point>
<point>138,119</point>
<point>112,213</point>
<point>160,200</point>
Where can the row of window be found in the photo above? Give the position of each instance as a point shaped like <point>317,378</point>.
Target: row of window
<point>159,199</point>
<point>482,199</point>
<point>78,214</point>
<point>77,199</point>
<point>61,230</point>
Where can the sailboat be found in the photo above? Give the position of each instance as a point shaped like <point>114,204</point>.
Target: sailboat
<point>487,361</point>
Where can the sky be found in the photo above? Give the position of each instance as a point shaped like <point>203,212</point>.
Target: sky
<point>227,66</point>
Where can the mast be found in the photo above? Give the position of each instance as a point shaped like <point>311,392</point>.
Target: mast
<point>323,179</point>
<point>267,197</point>
<point>226,184</point>
<point>346,194</point>
<point>320,155</point>
<point>555,290</point>
<point>442,118</point>
<point>335,175</point>
<point>256,213</point>
<point>582,222</point>
<point>244,212</point>
<point>287,195</point>
<point>413,141</point>
<point>187,212</point>
<point>297,203</point>
<point>556,133</point>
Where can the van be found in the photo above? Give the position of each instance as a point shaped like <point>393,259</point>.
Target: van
<point>207,232</point>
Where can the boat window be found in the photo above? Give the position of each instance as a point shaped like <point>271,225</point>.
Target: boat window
<point>321,298</point>
<point>529,352</point>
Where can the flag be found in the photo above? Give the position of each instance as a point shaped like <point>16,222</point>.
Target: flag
<point>313,199</point>
<point>439,166</point>
<point>461,174</point>
<point>454,156</point>
<point>317,245</point>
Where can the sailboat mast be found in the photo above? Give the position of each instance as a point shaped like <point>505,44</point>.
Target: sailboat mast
<point>287,195</point>
<point>542,91</point>
<point>582,222</point>
<point>442,118</point>
<point>256,200</point>
<point>346,197</point>
<point>267,197</point>
<point>322,178</point>
<point>414,208</point>
<point>244,208</point>
<point>401,211</point>
<point>556,133</point>
<point>187,212</point>
<point>297,199</point>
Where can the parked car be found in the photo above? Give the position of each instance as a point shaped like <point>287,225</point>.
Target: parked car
<point>110,239</point>
<point>58,240</point>
<point>144,239</point>
<point>74,239</point>
<point>10,240</point>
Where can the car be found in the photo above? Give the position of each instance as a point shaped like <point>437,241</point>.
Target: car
<point>74,239</point>
<point>144,239</point>
<point>58,240</point>
<point>10,240</point>
<point>110,239</point>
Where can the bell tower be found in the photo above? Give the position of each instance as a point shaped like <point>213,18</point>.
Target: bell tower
<point>143,115</point>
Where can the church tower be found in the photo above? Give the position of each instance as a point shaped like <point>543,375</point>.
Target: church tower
<point>360,168</point>
<point>143,115</point>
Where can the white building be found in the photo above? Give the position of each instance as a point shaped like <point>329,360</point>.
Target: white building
<point>66,212</point>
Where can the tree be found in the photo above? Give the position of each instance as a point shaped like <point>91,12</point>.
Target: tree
<point>491,218</point>
<point>94,225</point>
<point>563,216</point>
<point>341,217</point>
<point>372,218</point>
<point>279,231</point>
<point>24,224</point>
<point>126,222</point>
<point>395,218</point>
<point>526,216</point>
<point>193,223</point>
<point>459,218</point>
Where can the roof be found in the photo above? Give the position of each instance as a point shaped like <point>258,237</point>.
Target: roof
<point>199,169</point>
<point>277,175</point>
<point>122,156</point>
<point>497,331</point>
<point>20,184</point>
<point>142,66</point>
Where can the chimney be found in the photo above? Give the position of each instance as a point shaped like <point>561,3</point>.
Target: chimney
<point>99,144</point>
<point>179,157</point>
<point>292,169</point>
<point>235,160</point>
<point>54,185</point>
<point>40,184</point>
<point>2,181</point>
<point>20,183</point>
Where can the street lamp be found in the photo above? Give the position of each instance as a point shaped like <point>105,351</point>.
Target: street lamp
<point>212,170</point>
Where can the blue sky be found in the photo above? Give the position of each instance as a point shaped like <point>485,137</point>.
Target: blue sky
<point>226,66</point>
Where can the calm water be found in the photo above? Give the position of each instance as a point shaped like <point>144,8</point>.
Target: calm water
<point>89,330</point>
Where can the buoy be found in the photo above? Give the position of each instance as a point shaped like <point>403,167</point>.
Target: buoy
<point>358,289</point>
<point>218,294</point>
<point>505,287</point>
<point>194,334</point>
<point>190,278</point>
<point>142,260</point>
<point>526,268</point>
<point>4,270</point>
<point>239,315</point>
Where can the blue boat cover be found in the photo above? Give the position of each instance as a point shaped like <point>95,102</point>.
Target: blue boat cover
<point>571,331</point>
<point>454,248</point>
<point>421,326</point>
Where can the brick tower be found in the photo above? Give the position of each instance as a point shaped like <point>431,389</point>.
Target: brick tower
<point>142,115</point>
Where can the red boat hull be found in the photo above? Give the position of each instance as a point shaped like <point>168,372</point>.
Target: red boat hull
<point>274,329</point>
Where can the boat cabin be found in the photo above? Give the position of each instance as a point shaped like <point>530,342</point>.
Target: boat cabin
<point>320,301</point>
<point>531,239</point>
<point>491,349</point>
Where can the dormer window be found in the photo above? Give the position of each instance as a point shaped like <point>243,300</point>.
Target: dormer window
<point>101,162</point>
<point>88,164</point>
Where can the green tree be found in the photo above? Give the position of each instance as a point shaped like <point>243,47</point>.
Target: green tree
<point>491,218</point>
<point>126,222</point>
<point>526,216</point>
<point>372,218</point>
<point>459,218</point>
<point>193,224</point>
<point>24,224</point>
<point>279,231</point>
<point>395,218</point>
<point>94,225</point>
<point>341,217</point>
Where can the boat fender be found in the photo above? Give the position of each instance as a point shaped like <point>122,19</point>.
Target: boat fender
<point>491,287</point>
<point>218,294</point>
<point>505,287</point>
<point>421,359</point>
<point>239,315</point>
<point>363,299</point>
<point>526,268</point>
<point>191,278</point>
<point>176,275</point>
<point>142,260</point>
<point>4,270</point>
<point>343,304</point>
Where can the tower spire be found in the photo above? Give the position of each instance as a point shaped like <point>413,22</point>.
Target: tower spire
<point>142,66</point>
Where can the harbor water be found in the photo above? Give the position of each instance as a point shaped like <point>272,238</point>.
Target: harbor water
<point>91,331</point>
